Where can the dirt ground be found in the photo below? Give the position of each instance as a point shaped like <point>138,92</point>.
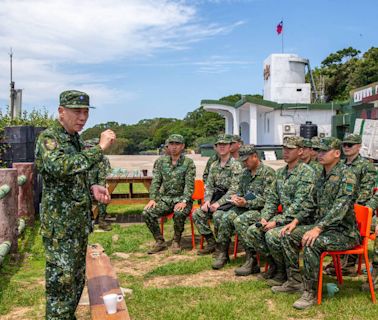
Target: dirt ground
<point>139,162</point>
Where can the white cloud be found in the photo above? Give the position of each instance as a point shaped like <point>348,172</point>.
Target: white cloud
<point>54,39</point>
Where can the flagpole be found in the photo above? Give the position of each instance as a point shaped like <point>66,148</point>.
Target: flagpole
<point>282,38</point>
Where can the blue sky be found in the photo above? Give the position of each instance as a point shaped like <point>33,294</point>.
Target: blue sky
<point>147,58</point>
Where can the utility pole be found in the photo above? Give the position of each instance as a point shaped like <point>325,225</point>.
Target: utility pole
<point>12,91</point>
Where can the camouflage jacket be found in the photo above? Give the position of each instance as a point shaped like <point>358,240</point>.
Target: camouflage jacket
<point>256,184</point>
<point>318,168</point>
<point>373,202</point>
<point>294,190</point>
<point>64,167</point>
<point>365,174</point>
<point>173,181</point>
<point>225,178</point>
<point>334,197</point>
<point>99,172</point>
<point>212,159</point>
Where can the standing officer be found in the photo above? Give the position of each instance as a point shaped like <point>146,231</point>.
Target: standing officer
<point>334,226</point>
<point>171,190</point>
<point>66,202</point>
<point>221,184</point>
<point>293,188</point>
<point>365,174</point>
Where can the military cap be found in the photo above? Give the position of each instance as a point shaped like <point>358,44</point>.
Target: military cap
<point>328,143</point>
<point>91,142</point>
<point>293,142</point>
<point>315,142</point>
<point>74,99</point>
<point>175,138</point>
<point>353,138</point>
<point>223,138</point>
<point>236,138</point>
<point>246,151</point>
<point>307,143</point>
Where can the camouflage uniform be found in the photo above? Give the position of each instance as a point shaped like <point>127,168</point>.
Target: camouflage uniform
<point>226,178</point>
<point>365,174</point>
<point>98,174</point>
<point>294,191</point>
<point>66,207</point>
<point>258,184</point>
<point>334,216</point>
<point>170,185</point>
<point>318,168</point>
<point>373,203</point>
<point>211,160</point>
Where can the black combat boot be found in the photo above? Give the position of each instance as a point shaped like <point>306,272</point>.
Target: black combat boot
<point>222,257</point>
<point>159,245</point>
<point>176,247</point>
<point>271,270</point>
<point>250,266</point>
<point>210,247</point>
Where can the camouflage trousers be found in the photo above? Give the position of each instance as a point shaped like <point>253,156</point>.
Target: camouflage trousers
<point>161,209</point>
<point>242,223</point>
<point>328,240</point>
<point>201,220</point>
<point>226,227</point>
<point>101,210</point>
<point>65,275</point>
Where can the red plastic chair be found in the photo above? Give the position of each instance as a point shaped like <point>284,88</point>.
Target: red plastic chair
<point>363,217</point>
<point>199,196</point>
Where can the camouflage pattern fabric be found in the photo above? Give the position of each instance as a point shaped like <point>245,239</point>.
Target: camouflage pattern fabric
<point>373,203</point>
<point>65,215</point>
<point>209,162</point>
<point>318,168</point>
<point>249,183</point>
<point>294,190</point>
<point>170,185</point>
<point>74,99</point>
<point>226,178</point>
<point>335,216</point>
<point>366,174</point>
<point>97,175</point>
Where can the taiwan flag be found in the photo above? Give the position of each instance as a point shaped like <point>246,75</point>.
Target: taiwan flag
<point>279,27</point>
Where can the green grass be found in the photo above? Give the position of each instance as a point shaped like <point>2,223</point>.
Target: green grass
<point>123,188</point>
<point>21,275</point>
<point>21,286</point>
<point>114,209</point>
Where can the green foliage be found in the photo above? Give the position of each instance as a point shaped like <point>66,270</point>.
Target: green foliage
<point>345,70</point>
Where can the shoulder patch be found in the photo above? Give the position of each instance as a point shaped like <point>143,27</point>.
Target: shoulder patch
<point>349,187</point>
<point>334,178</point>
<point>50,144</point>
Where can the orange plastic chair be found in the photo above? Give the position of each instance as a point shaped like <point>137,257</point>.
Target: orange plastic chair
<point>199,196</point>
<point>363,217</point>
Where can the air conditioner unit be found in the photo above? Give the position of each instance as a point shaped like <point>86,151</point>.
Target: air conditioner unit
<point>322,135</point>
<point>288,129</point>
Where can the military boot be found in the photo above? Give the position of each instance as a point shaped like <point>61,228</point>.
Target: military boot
<point>279,277</point>
<point>159,245</point>
<point>249,267</point>
<point>104,225</point>
<point>308,298</point>
<point>222,257</point>
<point>348,266</point>
<point>271,270</point>
<point>374,275</point>
<point>210,247</point>
<point>176,248</point>
<point>293,283</point>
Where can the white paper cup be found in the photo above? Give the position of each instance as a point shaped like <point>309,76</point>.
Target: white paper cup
<point>110,301</point>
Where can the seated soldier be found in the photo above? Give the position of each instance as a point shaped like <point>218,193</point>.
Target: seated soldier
<point>365,175</point>
<point>221,184</point>
<point>334,226</point>
<point>253,188</point>
<point>314,148</point>
<point>306,157</point>
<point>292,188</point>
<point>171,190</point>
<point>373,203</point>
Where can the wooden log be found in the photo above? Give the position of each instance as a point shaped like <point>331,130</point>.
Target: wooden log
<point>102,280</point>
<point>26,191</point>
<point>9,209</point>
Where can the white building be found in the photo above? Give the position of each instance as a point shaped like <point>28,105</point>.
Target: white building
<point>284,107</point>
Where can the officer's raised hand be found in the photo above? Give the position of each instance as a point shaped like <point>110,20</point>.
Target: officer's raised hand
<point>107,138</point>
<point>100,193</point>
